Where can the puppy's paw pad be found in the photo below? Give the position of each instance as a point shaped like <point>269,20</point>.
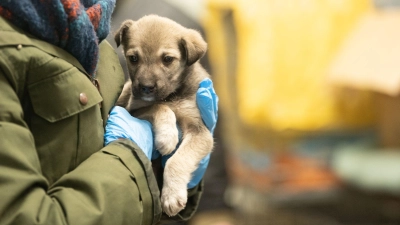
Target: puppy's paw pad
<point>173,200</point>
<point>166,140</point>
<point>172,203</point>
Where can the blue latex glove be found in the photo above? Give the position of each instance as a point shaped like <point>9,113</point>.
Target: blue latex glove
<point>121,124</point>
<point>207,102</point>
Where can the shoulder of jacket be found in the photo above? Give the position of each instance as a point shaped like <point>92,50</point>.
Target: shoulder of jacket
<point>11,35</point>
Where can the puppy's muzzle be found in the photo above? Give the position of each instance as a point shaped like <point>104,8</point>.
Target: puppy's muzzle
<point>147,89</point>
<point>147,92</point>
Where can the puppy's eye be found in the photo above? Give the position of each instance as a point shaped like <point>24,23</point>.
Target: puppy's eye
<point>168,59</point>
<point>133,58</point>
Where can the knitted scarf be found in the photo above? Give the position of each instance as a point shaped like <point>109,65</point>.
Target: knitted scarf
<point>76,26</point>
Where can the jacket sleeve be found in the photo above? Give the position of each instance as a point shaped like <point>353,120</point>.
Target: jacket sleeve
<point>113,186</point>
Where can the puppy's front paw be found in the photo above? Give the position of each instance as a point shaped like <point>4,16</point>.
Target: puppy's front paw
<point>173,200</point>
<point>166,138</point>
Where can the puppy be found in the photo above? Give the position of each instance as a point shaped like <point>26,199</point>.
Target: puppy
<point>162,57</point>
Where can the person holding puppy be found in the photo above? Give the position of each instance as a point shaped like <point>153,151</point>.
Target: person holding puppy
<point>67,156</point>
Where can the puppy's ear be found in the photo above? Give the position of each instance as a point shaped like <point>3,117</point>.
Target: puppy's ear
<point>120,33</point>
<point>194,46</point>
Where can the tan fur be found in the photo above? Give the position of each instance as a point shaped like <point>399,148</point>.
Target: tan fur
<point>164,93</point>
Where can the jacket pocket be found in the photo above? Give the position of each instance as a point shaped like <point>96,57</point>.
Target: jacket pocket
<point>64,95</point>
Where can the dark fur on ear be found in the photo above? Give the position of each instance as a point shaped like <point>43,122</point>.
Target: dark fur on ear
<point>119,34</point>
<point>194,46</point>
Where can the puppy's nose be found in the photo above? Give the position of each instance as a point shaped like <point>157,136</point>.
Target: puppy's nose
<point>147,89</point>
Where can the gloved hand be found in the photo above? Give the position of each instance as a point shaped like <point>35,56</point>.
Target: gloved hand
<point>121,124</point>
<point>207,102</point>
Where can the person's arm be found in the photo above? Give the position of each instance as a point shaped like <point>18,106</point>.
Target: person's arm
<point>113,186</point>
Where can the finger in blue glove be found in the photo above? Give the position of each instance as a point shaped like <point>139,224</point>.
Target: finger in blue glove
<point>207,102</point>
<point>121,124</point>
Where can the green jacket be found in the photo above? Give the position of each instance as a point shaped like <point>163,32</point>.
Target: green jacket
<point>53,166</point>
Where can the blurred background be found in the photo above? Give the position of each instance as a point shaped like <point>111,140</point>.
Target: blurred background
<point>309,112</point>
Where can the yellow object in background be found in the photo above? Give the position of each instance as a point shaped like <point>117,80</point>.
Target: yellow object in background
<point>282,52</point>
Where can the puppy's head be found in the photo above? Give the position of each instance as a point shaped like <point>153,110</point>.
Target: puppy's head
<point>158,52</point>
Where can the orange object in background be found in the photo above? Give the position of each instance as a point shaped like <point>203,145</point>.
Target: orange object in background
<point>303,174</point>
<point>285,174</point>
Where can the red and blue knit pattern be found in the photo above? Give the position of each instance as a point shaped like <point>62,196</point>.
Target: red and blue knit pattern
<point>74,25</point>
